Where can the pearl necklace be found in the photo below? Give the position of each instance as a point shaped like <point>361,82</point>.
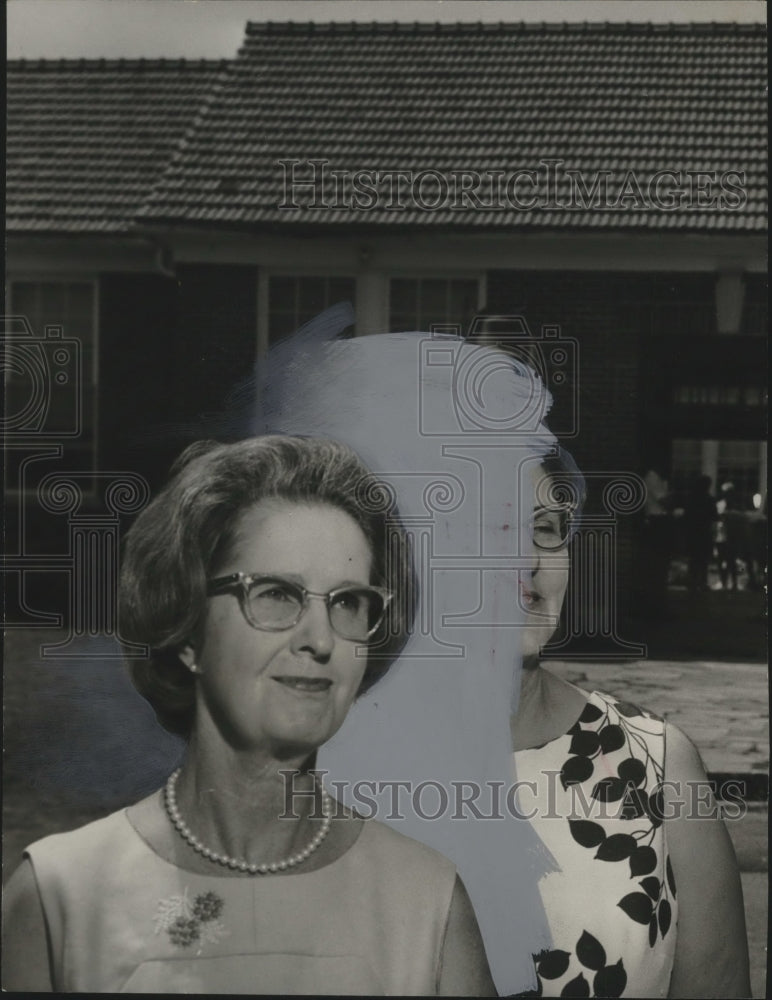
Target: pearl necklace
<point>170,802</point>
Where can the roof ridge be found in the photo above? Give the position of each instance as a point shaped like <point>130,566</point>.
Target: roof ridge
<point>76,62</point>
<point>204,106</point>
<point>514,27</point>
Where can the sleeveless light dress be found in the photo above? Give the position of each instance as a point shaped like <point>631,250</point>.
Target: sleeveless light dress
<point>611,899</point>
<point>123,919</point>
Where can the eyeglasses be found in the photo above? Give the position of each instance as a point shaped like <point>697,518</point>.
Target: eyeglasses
<point>552,526</point>
<point>273,604</point>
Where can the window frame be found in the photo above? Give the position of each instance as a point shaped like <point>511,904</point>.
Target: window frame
<point>445,274</point>
<point>707,460</point>
<point>263,294</point>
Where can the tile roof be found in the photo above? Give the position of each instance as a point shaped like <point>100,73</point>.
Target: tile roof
<point>113,145</point>
<point>86,139</point>
<point>630,99</point>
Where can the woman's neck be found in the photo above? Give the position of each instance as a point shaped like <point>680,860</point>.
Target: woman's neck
<point>248,805</point>
<point>547,708</point>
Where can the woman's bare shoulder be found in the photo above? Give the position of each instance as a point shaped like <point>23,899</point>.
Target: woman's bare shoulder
<point>681,755</point>
<point>711,948</point>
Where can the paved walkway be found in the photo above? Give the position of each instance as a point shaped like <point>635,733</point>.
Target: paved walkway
<point>723,707</point>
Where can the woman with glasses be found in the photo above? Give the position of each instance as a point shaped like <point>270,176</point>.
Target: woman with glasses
<point>258,579</point>
<point>623,883</point>
<point>644,896</point>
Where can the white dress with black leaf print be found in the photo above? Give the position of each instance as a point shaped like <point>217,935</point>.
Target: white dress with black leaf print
<point>594,796</point>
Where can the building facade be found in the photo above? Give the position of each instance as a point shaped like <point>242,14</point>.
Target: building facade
<point>601,188</point>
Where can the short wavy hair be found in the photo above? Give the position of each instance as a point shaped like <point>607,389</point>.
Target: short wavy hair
<point>566,484</point>
<point>183,536</point>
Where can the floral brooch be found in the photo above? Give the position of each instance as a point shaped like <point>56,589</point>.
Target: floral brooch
<point>189,921</point>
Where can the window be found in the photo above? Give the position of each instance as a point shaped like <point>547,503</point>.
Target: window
<point>755,320</point>
<point>687,461</point>
<point>295,299</point>
<point>51,363</point>
<point>420,303</point>
<point>742,463</point>
<point>718,395</point>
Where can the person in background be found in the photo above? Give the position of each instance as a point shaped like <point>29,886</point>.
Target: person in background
<point>656,543</point>
<point>743,540</point>
<point>757,555</point>
<point>698,519</point>
<point>732,544</point>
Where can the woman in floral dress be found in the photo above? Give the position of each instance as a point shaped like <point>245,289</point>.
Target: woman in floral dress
<point>644,899</point>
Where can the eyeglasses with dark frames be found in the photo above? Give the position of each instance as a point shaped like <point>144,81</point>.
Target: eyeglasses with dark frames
<point>551,526</point>
<point>274,604</point>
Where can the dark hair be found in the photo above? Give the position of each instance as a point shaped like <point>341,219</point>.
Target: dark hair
<point>185,533</point>
<point>566,484</point>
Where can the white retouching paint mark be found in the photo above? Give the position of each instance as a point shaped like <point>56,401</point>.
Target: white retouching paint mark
<point>452,427</point>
